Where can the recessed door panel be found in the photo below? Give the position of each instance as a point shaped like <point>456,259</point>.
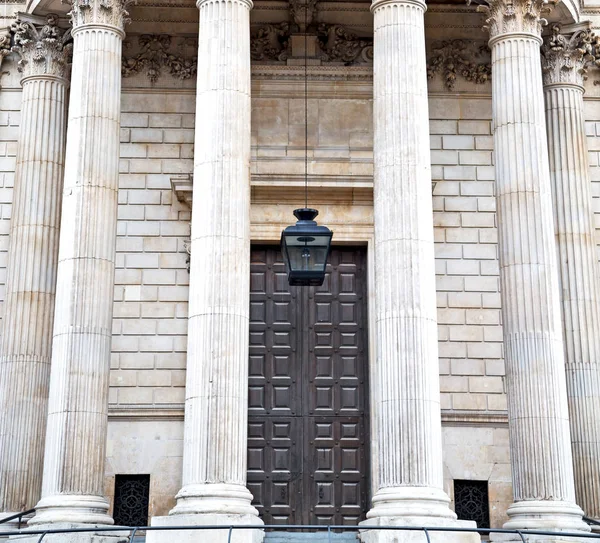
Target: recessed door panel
<point>307,434</point>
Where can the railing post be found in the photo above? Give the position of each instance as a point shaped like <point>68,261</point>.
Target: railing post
<point>132,535</point>
<point>229,536</point>
<point>42,537</point>
<point>427,535</point>
<point>329,534</point>
<point>521,536</point>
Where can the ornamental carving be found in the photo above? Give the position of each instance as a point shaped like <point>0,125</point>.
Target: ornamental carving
<point>4,47</point>
<point>565,59</point>
<point>103,12</point>
<point>303,13</point>
<point>155,58</point>
<point>271,42</point>
<point>43,50</point>
<point>459,58</point>
<point>508,16</point>
<point>340,45</point>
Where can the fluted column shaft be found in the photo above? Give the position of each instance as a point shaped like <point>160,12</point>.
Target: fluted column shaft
<point>537,402</point>
<point>215,443</point>
<point>579,276</point>
<point>73,482</point>
<point>32,261</point>
<point>405,402</point>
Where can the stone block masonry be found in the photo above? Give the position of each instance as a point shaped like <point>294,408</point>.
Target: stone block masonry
<point>151,277</point>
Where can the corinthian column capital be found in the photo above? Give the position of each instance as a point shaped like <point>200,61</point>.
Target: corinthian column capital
<point>565,58</point>
<point>43,49</point>
<point>514,17</point>
<point>111,13</point>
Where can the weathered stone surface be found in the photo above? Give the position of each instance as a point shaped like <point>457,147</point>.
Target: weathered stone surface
<point>544,495</point>
<point>74,460</point>
<point>578,269</point>
<point>32,261</point>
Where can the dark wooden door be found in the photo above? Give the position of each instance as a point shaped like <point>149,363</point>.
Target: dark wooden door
<point>307,428</point>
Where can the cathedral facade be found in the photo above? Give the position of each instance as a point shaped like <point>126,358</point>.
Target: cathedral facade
<point>156,368</point>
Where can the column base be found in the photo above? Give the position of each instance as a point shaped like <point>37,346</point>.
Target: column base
<point>72,509</point>
<point>89,537</point>
<point>552,515</point>
<point>413,506</point>
<point>210,505</point>
<point>595,528</point>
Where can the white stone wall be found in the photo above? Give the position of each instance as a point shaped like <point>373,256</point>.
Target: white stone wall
<point>151,278</point>
<point>469,322</point>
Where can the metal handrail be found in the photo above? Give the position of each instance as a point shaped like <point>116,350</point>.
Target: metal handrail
<point>292,527</point>
<point>591,521</point>
<point>18,516</point>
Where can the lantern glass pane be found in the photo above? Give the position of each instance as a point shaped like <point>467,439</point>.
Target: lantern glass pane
<point>307,258</point>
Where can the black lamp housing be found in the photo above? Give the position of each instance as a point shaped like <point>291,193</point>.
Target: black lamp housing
<point>305,247</point>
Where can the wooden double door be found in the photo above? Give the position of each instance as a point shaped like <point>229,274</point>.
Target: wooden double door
<point>308,421</point>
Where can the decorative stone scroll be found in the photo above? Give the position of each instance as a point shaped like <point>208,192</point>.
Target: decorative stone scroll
<point>155,56</point>
<point>271,42</point>
<point>340,45</point>
<point>337,44</point>
<point>44,50</point>
<point>509,16</point>
<point>101,12</point>
<point>454,58</point>
<point>4,47</point>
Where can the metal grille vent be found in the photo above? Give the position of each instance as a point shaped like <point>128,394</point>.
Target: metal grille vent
<point>471,502</point>
<point>132,494</point>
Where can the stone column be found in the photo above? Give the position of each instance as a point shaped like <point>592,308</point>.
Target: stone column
<point>405,399</point>
<point>544,493</point>
<point>564,64</point>
<point>215,435</point>
<point>73,481</point>
<point>32,260</point>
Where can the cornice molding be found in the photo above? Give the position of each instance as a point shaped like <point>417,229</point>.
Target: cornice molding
<point>175,412</point>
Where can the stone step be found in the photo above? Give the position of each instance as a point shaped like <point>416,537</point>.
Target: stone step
<point>311,537</point>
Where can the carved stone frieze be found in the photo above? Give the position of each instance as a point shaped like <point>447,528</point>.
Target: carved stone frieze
<point>4,47</point>
<point>459,58</point>
<point>340,45</point>
<point>103,12</point>
<point>271,42</point>
<point>303,13</point>
<point>155,56</point>
<point>43,50</point>
<point>514,16</point>
<point>565,59</point>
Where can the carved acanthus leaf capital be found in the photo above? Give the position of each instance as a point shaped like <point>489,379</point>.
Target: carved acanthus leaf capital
<point>565,58</point>
<point>514,16</point>
<point>43,49</point>
<point>103,12</point>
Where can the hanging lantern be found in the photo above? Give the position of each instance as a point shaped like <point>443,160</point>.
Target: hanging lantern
<point>305,247</point>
